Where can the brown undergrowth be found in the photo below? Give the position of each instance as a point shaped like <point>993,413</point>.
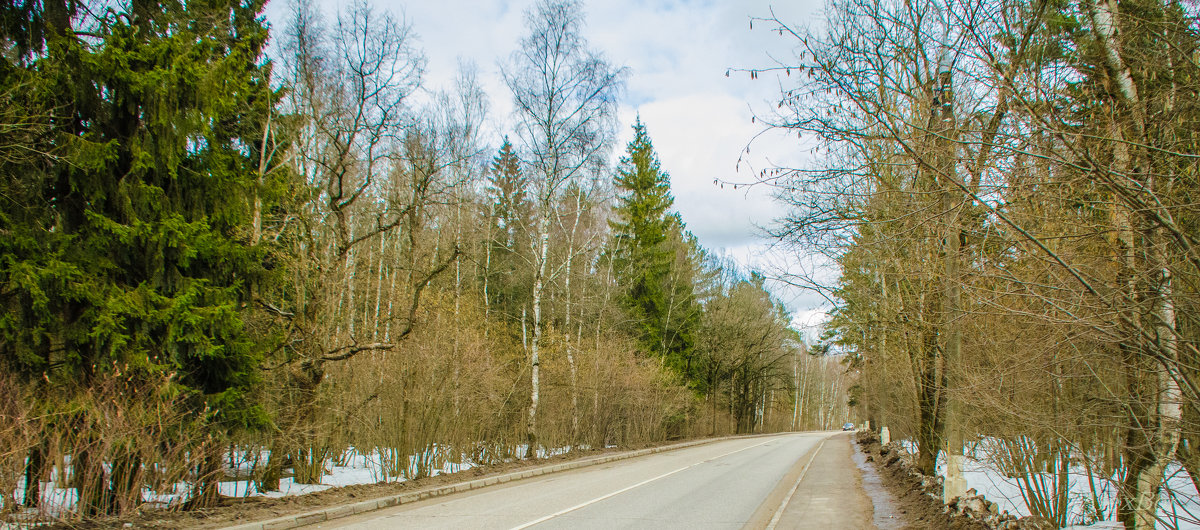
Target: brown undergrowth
<point>239,510</point>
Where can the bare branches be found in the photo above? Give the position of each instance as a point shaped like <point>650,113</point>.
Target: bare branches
<point>350,85</point>
<point>419,287</point>
<point>1075,205</point>
<point>564,93</point>
<point>350,350</point>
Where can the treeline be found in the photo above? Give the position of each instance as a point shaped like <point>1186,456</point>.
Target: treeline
<point>210,258</point>
<point>1009,188</point>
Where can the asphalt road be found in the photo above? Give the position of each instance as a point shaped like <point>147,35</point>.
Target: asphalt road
<point>745,482</point>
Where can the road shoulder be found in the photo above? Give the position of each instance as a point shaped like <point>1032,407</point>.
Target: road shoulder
<point>822,490</point>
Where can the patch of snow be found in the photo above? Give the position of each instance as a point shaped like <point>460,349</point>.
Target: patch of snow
<point>908,445</point>
<point>990,483</point>
<point>54,501</point>
<point>287,488</point>
<point>1179,504</point>
<point>1180,501</point>
<point>180,492</point>
<point>347,469</point>
<point>546,452</point>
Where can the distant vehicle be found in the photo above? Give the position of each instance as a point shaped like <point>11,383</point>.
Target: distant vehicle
<point>847,426</point>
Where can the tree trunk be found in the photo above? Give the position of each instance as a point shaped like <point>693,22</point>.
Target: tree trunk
<point>1152,449</point>
<point>567,323</point>
<point>1163,438</point>
<point>387,327</point>
<point>379,286</point>
<point>535,347</point>
<point>487,274</point>
<point>796,397</point>
<point>268,479</point>
<point>930,403</point>
<point>33,476</point>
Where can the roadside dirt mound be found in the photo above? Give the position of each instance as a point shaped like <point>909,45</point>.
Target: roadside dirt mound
<point>920,496</point>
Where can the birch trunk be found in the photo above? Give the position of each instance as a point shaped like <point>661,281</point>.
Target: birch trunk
<point>539,279</point>
<point>379,286</point>
<point>487,273</point>
<point>567,325</point>
<point>1164,430</point>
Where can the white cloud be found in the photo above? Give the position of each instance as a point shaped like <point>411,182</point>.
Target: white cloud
<point>678,52</point>
<point>699,138</point>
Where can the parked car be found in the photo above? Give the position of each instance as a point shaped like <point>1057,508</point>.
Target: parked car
<point>847,426</point>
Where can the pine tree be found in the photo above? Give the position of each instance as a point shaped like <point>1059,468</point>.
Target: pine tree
<point>134,257</point>
<point>507,186</point>
<point>511,214</point>
<point>647,238</point>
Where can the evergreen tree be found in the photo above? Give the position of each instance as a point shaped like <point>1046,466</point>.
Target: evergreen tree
<point>507,187</point>
<point>681,321</point>
<point>131,253</point>
<point>511,213</point>
<point>647,243</point>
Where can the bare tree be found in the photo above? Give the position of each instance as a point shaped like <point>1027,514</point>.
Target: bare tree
<point>565,98</point>
<point>1044,170</point>
<point>367,164</point>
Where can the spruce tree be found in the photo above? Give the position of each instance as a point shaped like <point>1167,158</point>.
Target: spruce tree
<point>131,256</point>
<point>647,239</point>
<point>507,186</point>
<point>510,217</point>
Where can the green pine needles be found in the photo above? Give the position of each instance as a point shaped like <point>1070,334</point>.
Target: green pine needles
<point>127,257</point>
<point>655,259</point>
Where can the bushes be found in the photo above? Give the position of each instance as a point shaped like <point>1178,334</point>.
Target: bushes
<point>118,444</point>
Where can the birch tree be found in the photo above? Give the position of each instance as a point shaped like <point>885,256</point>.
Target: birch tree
<point>565,98</point>
<point>369,164</point>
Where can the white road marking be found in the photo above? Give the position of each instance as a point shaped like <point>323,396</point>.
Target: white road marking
<point>623,490</point>
<point>779,513</point>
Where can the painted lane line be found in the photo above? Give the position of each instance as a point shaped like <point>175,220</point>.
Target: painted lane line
<point>623,490</point>
<point>786,500</point>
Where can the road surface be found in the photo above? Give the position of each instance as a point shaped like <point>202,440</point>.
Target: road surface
<point>797,480</point>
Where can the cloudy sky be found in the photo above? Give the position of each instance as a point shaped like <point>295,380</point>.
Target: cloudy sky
<point>678,53</point>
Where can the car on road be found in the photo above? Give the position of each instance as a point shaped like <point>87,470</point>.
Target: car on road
<point>847,426</point>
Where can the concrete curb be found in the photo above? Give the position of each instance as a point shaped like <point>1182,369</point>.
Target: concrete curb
<point>346,510</point>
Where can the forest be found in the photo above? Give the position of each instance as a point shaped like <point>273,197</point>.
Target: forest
<point>1008,190</point>
<point>230,249</point>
